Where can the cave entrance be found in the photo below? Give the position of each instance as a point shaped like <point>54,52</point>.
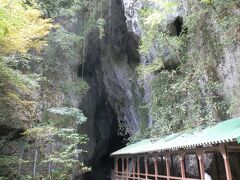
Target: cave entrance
<point>116,142</point>
<point>102,164</point>
<point>176,27</point>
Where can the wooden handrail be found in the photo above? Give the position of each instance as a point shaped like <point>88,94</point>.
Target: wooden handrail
<point>130,175</point>
<point>223,148</point>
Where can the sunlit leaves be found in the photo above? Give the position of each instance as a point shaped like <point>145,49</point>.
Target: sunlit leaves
<point>61,134</point>
<point>146,70</point>
<point>187,93</point>
<point>153,19</point>
<point>21,27</point>
<point>207,1</point>
<point>100,26</point>
<point>74,113</point>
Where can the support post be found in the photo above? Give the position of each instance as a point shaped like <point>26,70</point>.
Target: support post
<point>201,164</point>
<point>127,167</point>
<point>182,165</point>
<point>133,167</point>
<point>155,158</point>
<point>138,168</point>
<point>168,166</point>
<point>226,162</point>
<point>123,169</point>
<point>146,166</point>
<point>116,167</point>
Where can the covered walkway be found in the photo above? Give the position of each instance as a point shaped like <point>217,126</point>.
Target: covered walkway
<point>183,156</point>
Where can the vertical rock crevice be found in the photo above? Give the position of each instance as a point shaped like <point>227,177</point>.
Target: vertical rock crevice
<point>109,104</point>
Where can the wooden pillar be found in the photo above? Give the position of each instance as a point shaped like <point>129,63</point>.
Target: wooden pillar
<point>146,166</point>
<point>133,167</point>
<point>201,165</point>
<point>138,167</point>
<point>155,158</point>
<point>226,162</point>
<point>127,167</point>
<point>182,165</point>
<point>116,167</point>
<point>123,169</point>
<point>168,166</point>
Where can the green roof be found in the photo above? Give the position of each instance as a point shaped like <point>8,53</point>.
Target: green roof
<point>226,131</point>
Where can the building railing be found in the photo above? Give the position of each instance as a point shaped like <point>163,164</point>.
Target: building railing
<point>137,167</point>
<point>142,176</point>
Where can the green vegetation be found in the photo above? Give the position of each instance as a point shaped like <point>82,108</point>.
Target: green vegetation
<point>72,43</point>
<point>21,26</point>
<point>42,37</point>
<point>185,90</point>
<point>59,131</point>
<point>43,48</point>
<point>22,29</point>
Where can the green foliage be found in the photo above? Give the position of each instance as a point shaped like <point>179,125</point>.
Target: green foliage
<point>152,20</point>
<point>67,45</point>
<point>140,135</point>
<point>90,12</point>
<point>60,132</point>
<point>66,41</point>
<point>17,102</point>
<point>21,26</point>
<point>145,70</point>
<point>100,27</point>
<point>188,94</point>
<point>71,113</point>
<point>80,87</point>
<point>207,1</point>
<point>9,162</point>
<point>66,158</point>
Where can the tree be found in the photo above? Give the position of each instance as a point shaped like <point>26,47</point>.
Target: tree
<point>22,26</point>
<point>59,130</point>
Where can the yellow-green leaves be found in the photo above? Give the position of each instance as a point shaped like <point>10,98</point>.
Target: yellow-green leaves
<point>22,27</point>
<point>160,13</point>
<point>145,70</point>
<point>153,20</point>
<point>207,1</point>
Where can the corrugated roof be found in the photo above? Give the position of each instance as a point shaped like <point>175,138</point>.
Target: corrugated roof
<point>226,131</point>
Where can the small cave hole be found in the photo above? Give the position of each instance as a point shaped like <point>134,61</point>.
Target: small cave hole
<point>11,133</point>
<point>176,27</point>
<point>132,51</point>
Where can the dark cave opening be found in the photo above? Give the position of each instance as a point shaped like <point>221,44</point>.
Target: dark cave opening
<point>176,27</point>
<point>117,49</point>
<point>108,139</point>
<point>101,169</point>
<point>132,50</point>
<point>10,133</point>
<point>116,142</point>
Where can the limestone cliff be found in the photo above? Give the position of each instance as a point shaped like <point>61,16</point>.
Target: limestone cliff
<point>114,100</point>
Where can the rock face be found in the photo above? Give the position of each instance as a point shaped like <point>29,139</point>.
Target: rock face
<point>110,102</point>
<point>225,71</point>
